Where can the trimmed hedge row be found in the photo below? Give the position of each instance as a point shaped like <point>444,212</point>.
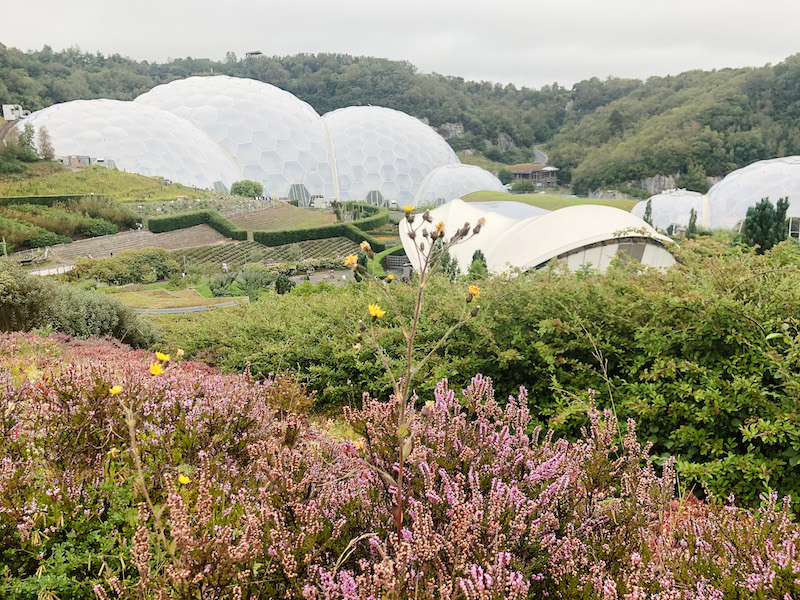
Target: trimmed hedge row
<point>196,217</point>
<point>45,200</point>
<point>354,231</point>
<point>292,236</point>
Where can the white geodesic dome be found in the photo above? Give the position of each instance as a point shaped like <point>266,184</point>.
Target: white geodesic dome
<point>449,182</point>
<point>385,151</point>
<point>673,207</point>
<point>774,179</point>
<point>138,138</point>
<point>273,137</point>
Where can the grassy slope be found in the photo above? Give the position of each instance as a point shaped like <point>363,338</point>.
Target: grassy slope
<point>159,298</point>
<point>49,178</point>
<point>281,217</point>
<point>546,201</point>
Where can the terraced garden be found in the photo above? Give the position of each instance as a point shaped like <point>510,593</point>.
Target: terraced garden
<point>244,252</point>
<point>284,216</point>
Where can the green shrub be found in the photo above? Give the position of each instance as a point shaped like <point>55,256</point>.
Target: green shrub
<point>48,238</point>
<point>99,227</point>
<point>247,188</point>
<point>129,266</point>
<point>24,299</point>
<point>198,217</point>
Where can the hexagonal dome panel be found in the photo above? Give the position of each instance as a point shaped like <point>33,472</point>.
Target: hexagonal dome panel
<point>241,113</point>
<point>673,207</point>
<point>454,181</point>
<point>139,138</point>
<point>776,178</point>
<point>373,145</point>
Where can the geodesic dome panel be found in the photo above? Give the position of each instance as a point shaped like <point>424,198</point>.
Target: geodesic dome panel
<point>273,137</point>
<point>449,182</point>
<point>384,150</point>
<point>138,138</point>
<point>776,178</point>
<point>672,208</point>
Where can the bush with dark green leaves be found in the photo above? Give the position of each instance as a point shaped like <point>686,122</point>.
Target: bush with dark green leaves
<point>129,266</point>
<point>765,224</point>
<point>247,188</point>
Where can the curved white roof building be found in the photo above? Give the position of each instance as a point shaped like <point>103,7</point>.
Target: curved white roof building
<point>776,178</point>
<point>383,150</point>
<point>579,235</point>
<point>674,207</point>
<point>272,136</point>
<point>139,139</point>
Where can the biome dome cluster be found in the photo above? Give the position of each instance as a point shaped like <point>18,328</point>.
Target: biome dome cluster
<point>726,203</point>
<point>212,131</point>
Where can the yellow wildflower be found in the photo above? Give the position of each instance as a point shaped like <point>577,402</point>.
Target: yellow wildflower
<point>408,209</point>
<point>180,353</point>
<point>351,260</point>
<point>474,291</point>
<point>440,229</point>
<point>162,357</point>
<point>364,245</point>
<point>115,390</point>
<point>156,369</point>
<point>359,444</point>
<point>113,452</point>
<point>390,278</point>
<point>183,479</point>
<point>376,311</point>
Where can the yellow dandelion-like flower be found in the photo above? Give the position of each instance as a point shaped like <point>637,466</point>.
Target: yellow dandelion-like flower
<point>156,369</point>
<point>162,357</point>
<point>474,291</point>
<point>115,390</point>
<point>359,444</point>
<point>365,246</point>
<point>440,229</point>
<point>390,278</point>
<point>113,452</point>
<point>180,353</point>
<point>351,260</point>
<point>183,479</point>
<point>376,311</point>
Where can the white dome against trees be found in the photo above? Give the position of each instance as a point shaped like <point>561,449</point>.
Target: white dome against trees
<point>139,139</point>
<point>774,179</point>
<point>273,136</point>
<point>384,150</point>
<point>449,182</point>
<point>673,207</point>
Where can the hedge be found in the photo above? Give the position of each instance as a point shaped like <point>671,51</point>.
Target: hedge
<point>197,217</point>
<point>45,200</point>
<point>353,231</point>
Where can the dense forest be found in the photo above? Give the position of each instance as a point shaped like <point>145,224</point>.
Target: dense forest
<point>601,133</point>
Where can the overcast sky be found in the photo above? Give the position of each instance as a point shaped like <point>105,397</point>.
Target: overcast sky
<point>523,42</point>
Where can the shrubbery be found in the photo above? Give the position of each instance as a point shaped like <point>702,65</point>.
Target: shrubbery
<point>198,217</point>
<point>28,302</point>
<point>196,485</point>
<point>129,266</point>
<point>703,355</point>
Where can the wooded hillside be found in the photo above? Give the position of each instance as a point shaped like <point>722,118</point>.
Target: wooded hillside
<point>600,133</point>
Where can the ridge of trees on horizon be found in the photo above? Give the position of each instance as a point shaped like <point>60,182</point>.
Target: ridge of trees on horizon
<point>600,133</point>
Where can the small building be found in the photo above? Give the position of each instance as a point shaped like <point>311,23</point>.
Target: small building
<point>14,112</point>
<point>540,174</point>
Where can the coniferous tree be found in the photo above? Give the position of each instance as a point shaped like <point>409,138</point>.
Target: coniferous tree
<point>648,213</point>
<point>765,226</point>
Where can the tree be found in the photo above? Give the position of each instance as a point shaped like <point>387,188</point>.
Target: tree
<point>505,176</point>
<point>691,231</point>
<point>694,179</point>
<point>284,285</point>
<point>46,150</point>
<point>521,186</point>
<point>247,188</point>
<point>27,149</point>
<point>765,225</point>
<point>648,212</point>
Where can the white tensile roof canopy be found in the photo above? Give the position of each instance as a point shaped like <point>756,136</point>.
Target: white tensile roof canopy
<point>581,235</point>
